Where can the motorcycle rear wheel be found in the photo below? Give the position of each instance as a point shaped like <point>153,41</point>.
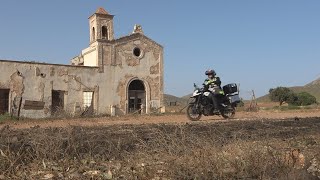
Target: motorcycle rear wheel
<point>193,114</point>
<point>228,113</point>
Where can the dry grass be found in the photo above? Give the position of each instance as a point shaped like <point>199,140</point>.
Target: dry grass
<point>230,150</point>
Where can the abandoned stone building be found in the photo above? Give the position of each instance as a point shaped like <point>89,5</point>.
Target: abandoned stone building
<point>112,76</point>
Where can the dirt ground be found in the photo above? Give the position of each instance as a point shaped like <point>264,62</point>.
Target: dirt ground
<point>156,119</point>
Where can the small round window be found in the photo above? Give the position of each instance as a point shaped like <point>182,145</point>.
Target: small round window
<point>137,52</point>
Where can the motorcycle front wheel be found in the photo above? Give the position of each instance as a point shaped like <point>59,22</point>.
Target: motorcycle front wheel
<point>193,113</point>
<point>228,112</point>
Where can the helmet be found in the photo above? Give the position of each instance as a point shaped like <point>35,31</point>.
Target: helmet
<point>210,72</point>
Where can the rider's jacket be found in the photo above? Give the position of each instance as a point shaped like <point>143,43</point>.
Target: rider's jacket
<point>213,85</point>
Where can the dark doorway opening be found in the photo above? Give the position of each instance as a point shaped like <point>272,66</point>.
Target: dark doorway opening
<point>136,97</point>
<point>57,102</point>
<point>4,101</point>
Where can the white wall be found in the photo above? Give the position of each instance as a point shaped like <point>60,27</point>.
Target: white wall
<point>90,56</point>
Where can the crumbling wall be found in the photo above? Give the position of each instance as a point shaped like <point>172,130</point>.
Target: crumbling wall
<point>147,67</point>
<point>16,83</point>
<point>16,91</point>
<point>34,82</point>
<point>124,52</point>
<point>122,92</point>
<point>107,55</point>
<point>154,86</point>
<point>155,69</point>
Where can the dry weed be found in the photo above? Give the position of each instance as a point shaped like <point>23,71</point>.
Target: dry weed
<point>237,150</point>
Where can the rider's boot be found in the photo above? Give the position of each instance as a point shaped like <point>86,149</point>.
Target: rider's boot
<point>216,108</point>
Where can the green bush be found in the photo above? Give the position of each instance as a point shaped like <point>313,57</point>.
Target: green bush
<point>283,94</point>
<point>306,99</point>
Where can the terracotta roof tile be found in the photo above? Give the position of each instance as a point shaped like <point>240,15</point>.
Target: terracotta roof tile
<point>100,10</point>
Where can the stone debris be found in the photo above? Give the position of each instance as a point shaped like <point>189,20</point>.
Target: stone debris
<point>107,175</point>
<point>2,177</point>
<point>314,169</point>
<point>295,158</point>
<point>48,176</point>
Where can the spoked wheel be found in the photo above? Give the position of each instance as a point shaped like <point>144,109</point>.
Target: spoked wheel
<point>193,113</point>
<point>228,112</point>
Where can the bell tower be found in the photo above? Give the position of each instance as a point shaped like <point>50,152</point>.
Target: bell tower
<point>101,26</point>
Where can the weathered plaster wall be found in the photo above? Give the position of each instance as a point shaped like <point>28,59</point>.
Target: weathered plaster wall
<point>124,66</point>
<point>35,82</point>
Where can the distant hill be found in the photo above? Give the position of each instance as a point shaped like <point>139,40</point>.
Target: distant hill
<point>170,98</point>
<point>187,96</point>
<point>312,88</point>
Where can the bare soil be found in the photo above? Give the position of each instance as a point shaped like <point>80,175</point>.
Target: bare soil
<point>156,119</point>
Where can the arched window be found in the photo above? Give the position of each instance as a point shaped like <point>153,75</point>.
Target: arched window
<point>104,32</point>
<point>93,34</point>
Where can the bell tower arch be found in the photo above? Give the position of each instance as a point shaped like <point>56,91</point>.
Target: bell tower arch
<point>101,26</point>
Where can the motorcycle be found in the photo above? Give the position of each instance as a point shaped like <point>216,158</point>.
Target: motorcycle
<point>201,103</point>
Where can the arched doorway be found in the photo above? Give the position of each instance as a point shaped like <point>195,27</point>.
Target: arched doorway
<point>136,97</point>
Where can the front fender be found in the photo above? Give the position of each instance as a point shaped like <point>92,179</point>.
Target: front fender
<point>194,100</point>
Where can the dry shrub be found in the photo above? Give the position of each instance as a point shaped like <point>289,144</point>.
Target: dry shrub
<point>234,150</point>
<point>203,159</point>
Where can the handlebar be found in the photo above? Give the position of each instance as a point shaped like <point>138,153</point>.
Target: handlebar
<point>203,89</point>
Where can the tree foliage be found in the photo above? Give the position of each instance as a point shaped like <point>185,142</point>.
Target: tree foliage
<point>283,94</point>
<point>304,99</point>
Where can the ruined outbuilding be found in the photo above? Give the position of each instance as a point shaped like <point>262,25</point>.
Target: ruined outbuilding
<point>112,76</point>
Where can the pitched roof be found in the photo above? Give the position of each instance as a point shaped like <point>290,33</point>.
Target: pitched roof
<point>131,37</point>
<point>100,10</point>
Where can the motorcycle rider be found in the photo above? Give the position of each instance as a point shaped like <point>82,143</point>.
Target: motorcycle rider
<point>213,85</point>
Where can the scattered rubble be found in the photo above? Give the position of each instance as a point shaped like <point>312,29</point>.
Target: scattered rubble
<point>314,169</point>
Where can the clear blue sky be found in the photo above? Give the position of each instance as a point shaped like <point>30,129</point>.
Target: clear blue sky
<point>257,43</point>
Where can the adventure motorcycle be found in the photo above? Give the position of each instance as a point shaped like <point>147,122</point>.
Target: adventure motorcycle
<point>202,103</point>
